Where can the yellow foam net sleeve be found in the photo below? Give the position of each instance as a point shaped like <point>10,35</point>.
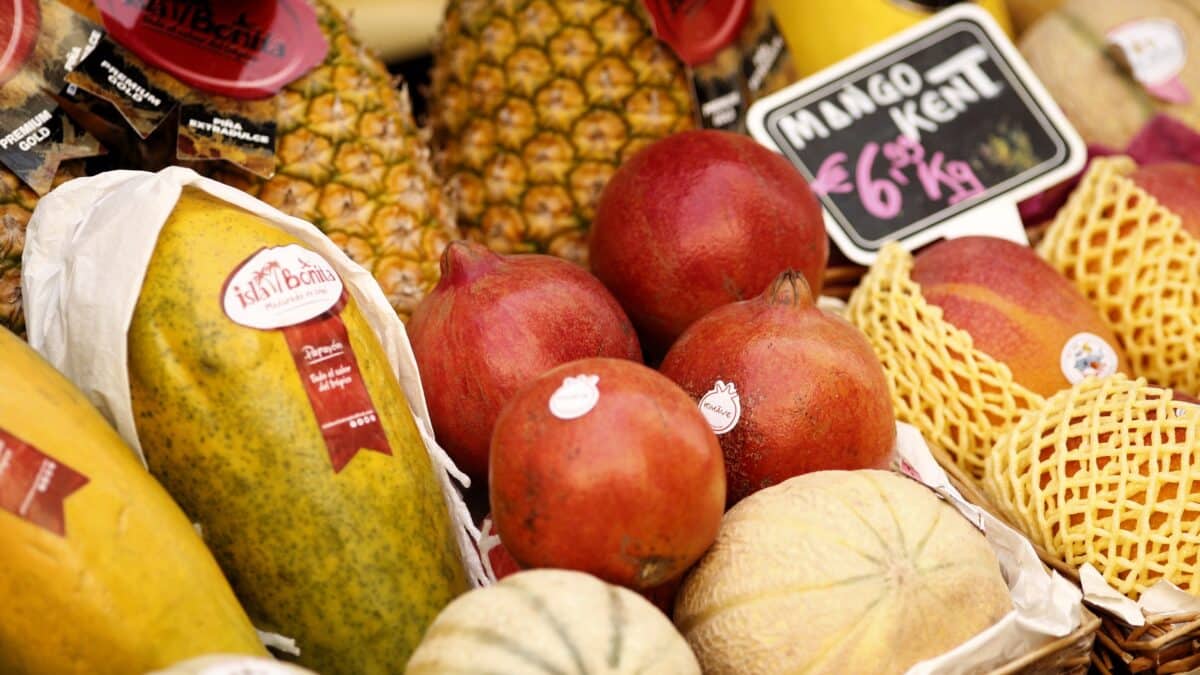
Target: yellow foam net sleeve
<point>1107,472</point>
<point>960,398</point>
<point>1132,258</point>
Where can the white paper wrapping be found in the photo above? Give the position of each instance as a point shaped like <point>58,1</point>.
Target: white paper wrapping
<point>1162,599</point>
<point>87,248</point>
<point>1046,606</point>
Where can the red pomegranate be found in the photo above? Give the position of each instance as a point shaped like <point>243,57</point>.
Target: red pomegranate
<point>492,549</point>
<point>788,388</point>
<point>605,466</point>
<point>492,324</point>
<point>502,563</point>
<point>697,220</point>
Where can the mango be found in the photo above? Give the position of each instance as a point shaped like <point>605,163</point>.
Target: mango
<point>1018,310</point>
<point>118,581</point>
<point>352,557</point>
<point>1176,185</point>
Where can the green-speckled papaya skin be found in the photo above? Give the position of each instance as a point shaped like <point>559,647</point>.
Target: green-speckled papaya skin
<point>353,565</point>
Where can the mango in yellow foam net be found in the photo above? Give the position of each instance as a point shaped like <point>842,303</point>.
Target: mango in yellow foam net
<point>959,397</point>
<point>1134,260</point>
<point>1108,473</point>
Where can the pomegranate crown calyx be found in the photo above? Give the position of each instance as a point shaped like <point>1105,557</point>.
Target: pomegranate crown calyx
<point>464,261</point>
<point>790,288</point>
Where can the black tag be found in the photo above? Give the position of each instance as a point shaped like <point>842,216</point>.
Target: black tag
<point>906,140</point>
<point>719,97</point>
<point>38,136</point>
<point>139,93</point>
<point>35,133</point>
<point>237,131</point>
<point>764,57</point>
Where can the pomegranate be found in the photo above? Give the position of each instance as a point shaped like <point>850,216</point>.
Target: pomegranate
<point>697,220</point>
<point>492,549</point>
<point>502,563</point>
<point>492,324</point>
<point>788,388</point>
<point>605,466</point>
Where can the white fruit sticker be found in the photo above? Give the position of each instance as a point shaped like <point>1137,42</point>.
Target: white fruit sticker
<point>1087,355</point>
<point>279,287</point>
<point>1155,51</point>
<point>721,407</point>
<point>576,397</point>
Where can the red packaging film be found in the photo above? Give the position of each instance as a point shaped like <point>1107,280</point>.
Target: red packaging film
<point>34,486</point>
<point>698,29</point>
<point>248,49</point>
<point>297,292</point>
<point>20,21</point>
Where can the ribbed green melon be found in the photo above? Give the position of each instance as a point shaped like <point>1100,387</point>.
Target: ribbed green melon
<point>552,621</point>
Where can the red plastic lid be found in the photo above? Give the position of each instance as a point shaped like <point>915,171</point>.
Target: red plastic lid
<point>240,48</point>
<point>698,29</point>
<point>20,23</point>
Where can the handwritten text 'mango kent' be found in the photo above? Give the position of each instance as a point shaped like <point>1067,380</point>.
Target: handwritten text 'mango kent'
<point>956,83</point>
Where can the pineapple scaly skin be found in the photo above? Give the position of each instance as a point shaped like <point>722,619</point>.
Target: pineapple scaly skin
<point>351,160</point>
<point>536,103</point>
<point>16,206</point>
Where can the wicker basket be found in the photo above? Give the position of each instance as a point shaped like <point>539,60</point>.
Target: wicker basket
<point>1071,655</point>
<point>1161,647</point>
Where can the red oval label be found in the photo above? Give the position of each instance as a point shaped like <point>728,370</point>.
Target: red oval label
<point>246,50</point>
<point>20,23</point>
<point>698,29</point>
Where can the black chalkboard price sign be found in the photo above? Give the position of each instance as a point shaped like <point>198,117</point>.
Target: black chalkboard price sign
<point>936,132</point>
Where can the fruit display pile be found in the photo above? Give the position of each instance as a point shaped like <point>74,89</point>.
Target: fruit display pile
<point>565,376</point>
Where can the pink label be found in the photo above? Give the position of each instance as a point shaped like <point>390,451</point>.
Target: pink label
<point>289,289</point>
<point>1155,51</point>
<point>33,486</point>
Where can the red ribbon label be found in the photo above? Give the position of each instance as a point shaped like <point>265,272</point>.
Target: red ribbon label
<point>297,292</point>
<point>33,486</point>
<point>247,49</point>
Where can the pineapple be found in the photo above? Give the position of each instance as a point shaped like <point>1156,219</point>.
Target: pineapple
<point>535,103</point>
<point>350,159</point>
<point>16,205</point>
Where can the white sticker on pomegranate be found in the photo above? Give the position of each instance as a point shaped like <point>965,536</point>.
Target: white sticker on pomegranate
<point>1156,52</point>
<point>576,397</point>
<point>279,287</point>
<point>721,407</point>
<point>1087,355</point>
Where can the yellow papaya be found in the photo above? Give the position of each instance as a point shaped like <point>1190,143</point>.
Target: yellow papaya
<point>100,572</point>
<point>288,438</point>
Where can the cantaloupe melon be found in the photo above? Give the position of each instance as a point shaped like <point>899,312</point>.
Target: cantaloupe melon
<point>839,572</point>
<point>1069,49</point>
<point>117,581</point>
<point>552,621</point>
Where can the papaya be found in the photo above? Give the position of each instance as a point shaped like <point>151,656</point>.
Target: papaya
<point>347,549</point>
<point>100,572</point>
